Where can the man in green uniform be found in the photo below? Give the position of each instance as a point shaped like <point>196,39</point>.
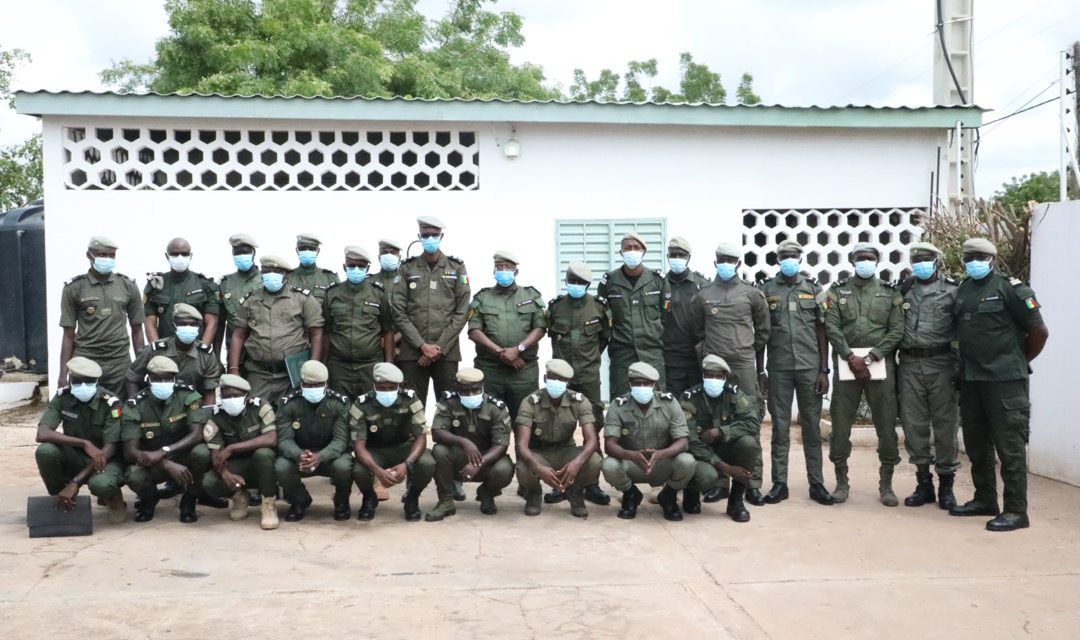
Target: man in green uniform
<point>638,299</point>
<point>1000,330</point>
<point>308,276</point>
<point>732,320</point>
<point>864,313</point>
<point>724,437</point>
<point>85,453</point>
<point>164,290</point>
<point>546,449</point>
<point>313,440</point>
<point>359,329</point>
<point>646,439</point>
<point>162,431</point>
<point>681,363</point>
<point>98,309</point>
<point>389,264</point>
<point>274,323</point>
<point>471,431</point>
<point>199,366</point>
<point>798,365</point>
<point>390,445</point>
<point>507,322</point>
<point>237,286</point>
<point>431,306</point>
<point>241,437</point>
<point>927,377</point>
<point>579,325</point>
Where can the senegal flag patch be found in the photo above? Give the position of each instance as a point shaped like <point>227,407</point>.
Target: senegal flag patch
<point>115,411</point>
<point>464,278</point>
<point>1031,303</point>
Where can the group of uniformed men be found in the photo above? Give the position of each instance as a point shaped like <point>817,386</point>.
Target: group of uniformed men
<point>694,361</point>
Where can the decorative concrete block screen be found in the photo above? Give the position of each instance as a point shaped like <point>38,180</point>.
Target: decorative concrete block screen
<point>827,236</point>
<point>269,160</point>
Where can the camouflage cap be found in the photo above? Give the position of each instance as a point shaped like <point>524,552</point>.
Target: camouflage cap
<point>308,238</point>
<point>97,243</point>
<point>275,262</point>
<point>184,311</point>
<point>388,372</point>
<point>160,365</point>
<point>580,270</point>
<point>559,368</point>
<point>313,372</point>
<point>506,256</point>
<point>715,364</point>
<point>644,370</point>
<point>633,236</point>
<point>234,381</point>
<point>980,245</point>
<point>238,239</point>
<point>355,252</point>
<point>431,221</point>
<point>680,243</point>
<point>469,376</point>
<point>83,367</point>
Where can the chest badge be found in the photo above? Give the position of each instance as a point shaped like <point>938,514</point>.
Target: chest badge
<point>538,431</point>
<point>91,311</point>
<point>456,423</point>
<point>412,285</point>
<point>843,301</point>
<point>296,424</point>
<point>716,310</point>
<point>626,432</point>
<point>772,306</point>
<point>373,428</point>
<point>149,435</point>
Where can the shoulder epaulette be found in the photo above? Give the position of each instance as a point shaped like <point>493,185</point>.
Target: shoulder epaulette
<point>156,280</point>
<point>664,395</point>
<point>535,398</point>
<point>61,390</point>
<point>691,392</point>
<point>484,290</point>
<point>839,283</point>
<point>199,275</point>
<point>290,395</point>
<point>604,278</point>
<point>160,344</point>
<point>188,387</point>
<point>766,280</point>
<point>602,300</point>
<point>128,278</point>
<point>255,401</point>
<point>454,259</point>
<point>621,400</point>
<point>334,285</point>
<point>1016,282</point>
<point>78,277</point>
<point>408,260</point>
<point>328,271</point>
<point>340,396</point>
<point>306,292</point>
<point>362,398</point>
<point>534,290</point>
<point>555,299</point>
<point>449,394</point>
<point>658,272</point>
<point>577,396</point>
<point>409,393</point>
<point>497,402</point>
<point>205,347</point>
<point>376,284</point>
<point>950,279</point>
<point>217,409</point>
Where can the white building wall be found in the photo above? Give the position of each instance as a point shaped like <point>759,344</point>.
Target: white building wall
<point>1054,448</point>
<point>700,178</point>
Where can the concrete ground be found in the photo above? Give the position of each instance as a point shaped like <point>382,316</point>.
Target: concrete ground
<point>797,570</point>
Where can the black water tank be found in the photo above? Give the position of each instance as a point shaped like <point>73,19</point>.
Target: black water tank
<point>23,325</point>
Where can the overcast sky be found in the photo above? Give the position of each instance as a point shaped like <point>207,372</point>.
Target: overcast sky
<point>800,52</point>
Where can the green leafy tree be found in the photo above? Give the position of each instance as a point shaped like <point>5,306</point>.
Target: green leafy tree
<point>1040,187</point>
<point>9,60</point>
<point>20,165</point>
<point>697,83</point>
<point>745,93</point>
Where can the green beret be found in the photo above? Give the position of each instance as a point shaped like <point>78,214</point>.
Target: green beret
<point>308,238</point>
<point>580,270</point>
<point>313,372</point>
<point>644,370</point>
<point>83,367</point>
<point>354,252</point>
<point>238,239</point>
<point>184,311</point>
<point>789,245</point>
<point>97,243</point>
<point>923,247</point>
<point>470,376</point>
<point>234,381</point>
<point>715,364</point>
<point>865,246</point>
<point>729,249</point>
<point>680,243</point>
<point>506,256</point>
<point>387,372</point>
<point>431,221</point>
<point>275,262</point>
<point>980,245</point>
<point>160,365</point>
<point>559,368</point>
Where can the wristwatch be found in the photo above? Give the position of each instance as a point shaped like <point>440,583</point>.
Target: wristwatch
<point>166,450</point>
<point>825,370</point>
<point>521,348</point>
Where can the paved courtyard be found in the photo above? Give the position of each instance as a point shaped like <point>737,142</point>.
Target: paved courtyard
<point>797,570</point>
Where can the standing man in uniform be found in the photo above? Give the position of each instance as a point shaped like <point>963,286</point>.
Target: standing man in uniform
<point>546,449</point>
<point>237,286</point>
<point>471,431</point>
<point>389,264</point>
<point>430,307</point>
<point>579,325</point>
<point>732,320</point>
<point>86,452</point>
<point>162,431</point>
<point>313,440</point>
<point>165,289</point>
<point>358,326</point>
<point>927,371</point>
<point>798,364</point>
<point>1001,330</point>
<point>681,362</point>
<point>98,309</point>
<point>199,366</point>
<point>864,312</point>
<point>638,299</point>
<point>274,323</point>
<point>646,439</point>
<point>507,322</point>
<point>309,276</point>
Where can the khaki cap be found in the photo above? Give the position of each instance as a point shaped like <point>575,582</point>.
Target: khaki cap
<point>385,243</point>
<point>789,245</point>
<point>98,243</point>
<point>866,246</point>
<point>275,262</point>
<point>160,365</point>
<point>238,239</point>
<point>506,256</point>
<point>715,364</point>
<point>580,270</point>
<point>470,376</point>
<point>308,238</point>
<point>354,252</point>
<point>83,367</point>
<point>184,311</point>
<point>313,372</point>
<point>431,221</point>
<point>729,249</point>
<point>644,370</point>
<point>388,372</point>
<point>633,236</point>
<point>559,368</point>
<point>923,247</point>
<point>234,381</point>
<point>679,242</point>
<point>980,245</point>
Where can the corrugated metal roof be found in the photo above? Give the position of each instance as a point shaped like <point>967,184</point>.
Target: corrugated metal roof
<point>194,105</point>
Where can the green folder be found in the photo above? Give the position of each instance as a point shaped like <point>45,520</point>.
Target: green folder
<point>293,364</point>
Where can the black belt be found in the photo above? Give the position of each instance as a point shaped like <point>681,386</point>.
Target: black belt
<point>543,446</point>
<point>268,366</point>
<point>927,353</point>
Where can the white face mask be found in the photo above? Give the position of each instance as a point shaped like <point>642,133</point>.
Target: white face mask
<point>179,264</point>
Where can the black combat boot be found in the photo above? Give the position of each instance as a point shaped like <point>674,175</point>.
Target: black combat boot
<point>778,493</point>
<point>924,487</point>
<point>735,507</point>
<point>668,499</point>
<point>691,501</point>
<point>342,510</point>
<point>945,497</point>
<point>596,495</point>
<point>717,493</point>
<point>368,504</point>
<point>631,498</point>
<point>144,510</point>
<point>298,508</point>
<point>187,508</point>
<point>552,497</point>
<point>753,496</point>
<point>412,505</point>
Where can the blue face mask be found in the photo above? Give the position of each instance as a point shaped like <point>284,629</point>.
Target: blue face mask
<point>386,398</point>
<point>187,335</point>
<point>725,270</point>
<point>273,281</point>
<point>504,278</point>
<point>555,388</point>
<point>576,291</point>
<point>389,262</point>
<point>104,266</point>
<point>714,386</point>
<point>84,392</point>
<point>677,265</point>
<point>431,245</point>
<point>234,406</point>
<point>977,269</point>
<point>472,402</point>
<point>356,275</point>
<point>642,395</point>
<point>307,257</point>
<point>790,266</point>
<point>632,259</point>
<point>866,268</point>
<point>244,261</point>
<point>162,390</point>
<point>314,395</point>
<point>923,270</point>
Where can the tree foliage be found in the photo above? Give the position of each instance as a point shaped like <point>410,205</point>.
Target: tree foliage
<point>697,83</point>
<point>1038,187</point>
<point>20,174</point>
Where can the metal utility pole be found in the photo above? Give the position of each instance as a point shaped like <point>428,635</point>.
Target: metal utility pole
<point>954,84</point>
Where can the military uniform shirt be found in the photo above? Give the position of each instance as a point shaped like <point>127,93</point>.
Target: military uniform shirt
<point>199,367</point>
<point>356,316</point>
<point>733,320</point>
<point>322,428</point>
<point>154,423</point>
<point>97,421</point>
<point>506,315</point>
<point>928,314</point>
<point>732,413</point>
<point>637,311</point>
<point>796,310</point>
<point>235,287</point>
<point>654,428</point>
<point>381,426</point>
<point>278,323</point>
<point>579,331</point>
<point>864,312</point>
<point>314,280</point>
<point>164,290</point>
<point>485,427</point>
<point>390,280</point>
<point>554,426</point>
<point>222,430</point>
<point>101,312</point>
<point>431,305</point>
<point>993,317</point>
<point>679,323</point>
